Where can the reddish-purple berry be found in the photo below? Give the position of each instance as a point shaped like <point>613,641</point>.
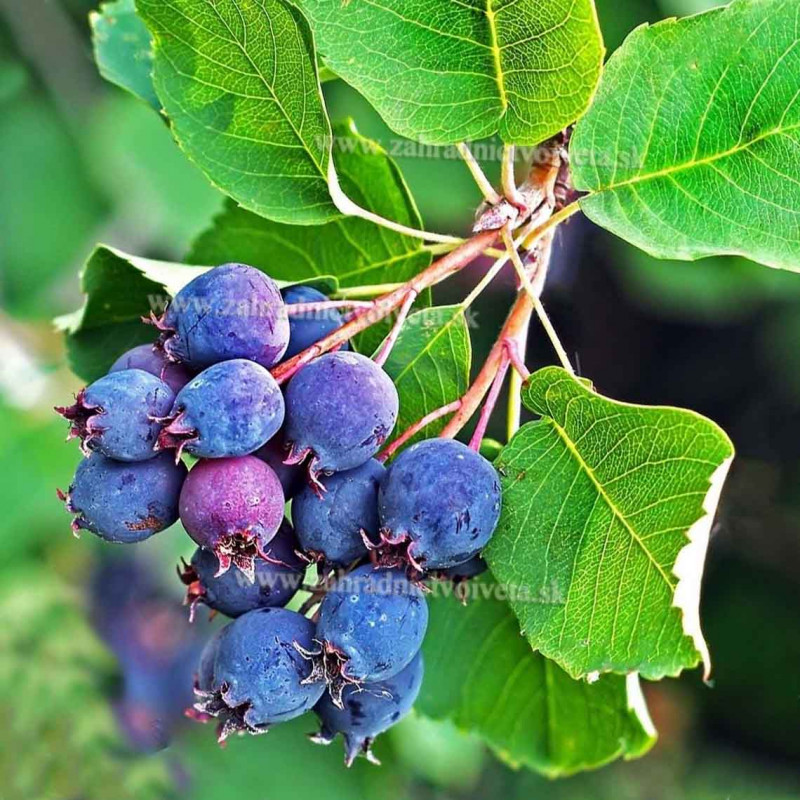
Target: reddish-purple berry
<point>233,507</point>
<point>153,360</point>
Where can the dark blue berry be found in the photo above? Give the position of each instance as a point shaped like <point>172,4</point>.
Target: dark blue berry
<point>340,409</point>
<point>232,311</point>
<point>259,676</point>
<point>233,593</point>
<point>307,329</point>
<point>368,711</point>
<point>117,414</point>
<point>331,526</point>
<point>125,502</point>
<point>153,360</point>
<point>441,501</point>
<point>230,409</point>
<point>371,624</point>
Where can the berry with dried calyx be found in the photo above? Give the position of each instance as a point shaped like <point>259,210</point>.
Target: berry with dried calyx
<point>277,580</point>
<point>368,711</point>
<point>340,409</point>
<point>233,507</point>
<point>117,415</point>
<point>230,409</point>
<point>125,502</point>
<point>439,505</point>
<point>259,677</point>
<point>332,527</point>
<point>371,624</point>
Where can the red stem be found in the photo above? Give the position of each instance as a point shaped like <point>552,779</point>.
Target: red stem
<point>488,406</point>
<point>414,429</point>
<point>441,269</point>
<point>296,309</point>
<point>386,347</point>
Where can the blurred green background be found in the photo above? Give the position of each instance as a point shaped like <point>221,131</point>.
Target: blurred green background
<point>94,647</point>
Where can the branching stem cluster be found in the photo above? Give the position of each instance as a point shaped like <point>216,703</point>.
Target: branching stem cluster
<point>533,237</point>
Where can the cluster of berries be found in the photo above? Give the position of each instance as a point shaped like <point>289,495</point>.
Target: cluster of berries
<point>374,534</point>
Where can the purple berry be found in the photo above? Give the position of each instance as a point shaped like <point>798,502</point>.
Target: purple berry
<point>233,507</point>
<point>259,677</point>
<point>307,329</point>
<point>439,505</point>
<point>368,711</point>
<point>125,502</point>
<point>332,527</point>
<point>340,409</point>
<point>230,409</point>
<point>233,594</point>
<point>273,454</point>
<point>117,415</point>
<point>232,311</point>
<point>152,360</point>
<point>371,624</point>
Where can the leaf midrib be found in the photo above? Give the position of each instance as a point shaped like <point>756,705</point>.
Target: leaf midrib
<point>494,44</point>
<point>311,155</point>
<point>606,497</point>
<point>670,171</point>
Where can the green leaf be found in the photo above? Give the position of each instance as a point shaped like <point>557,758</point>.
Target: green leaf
<point>482,674</point>
<point>692,145</point>
<point>611,505</point>
<point>120,289</point>
<point>238,81</point>
<point>123,49</point>
<point>430,365</point>
<point>354,250</point>
<point>60,737</point>
<point>442,72</point>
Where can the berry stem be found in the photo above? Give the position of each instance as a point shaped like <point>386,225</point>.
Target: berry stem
<point>373,290</point>
<point>297,309</point>
<point>414,429</point>
<point>351,209</point>
<point>386,348</point>
<point>534,294</point>
<point>514,412</point>
<point>517,361</point>
<point>517,320</point>
<point>488,406</point>
<point>441,269</point>
<point>510,191</point>
<point>484,184</point>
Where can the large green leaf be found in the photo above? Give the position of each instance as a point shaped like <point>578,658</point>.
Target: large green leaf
<point>482,674</point>
<point>692,146</point>
<point>120,289</point>
<point>123,49</point>
<point>357,252</point>
<point>430,365</point>
<point>441,71</point>
<point>238,80</point>
<point>609,506</point>
<point>60,737</point>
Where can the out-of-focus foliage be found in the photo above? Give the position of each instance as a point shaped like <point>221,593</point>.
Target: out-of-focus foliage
<point>61,738</point>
